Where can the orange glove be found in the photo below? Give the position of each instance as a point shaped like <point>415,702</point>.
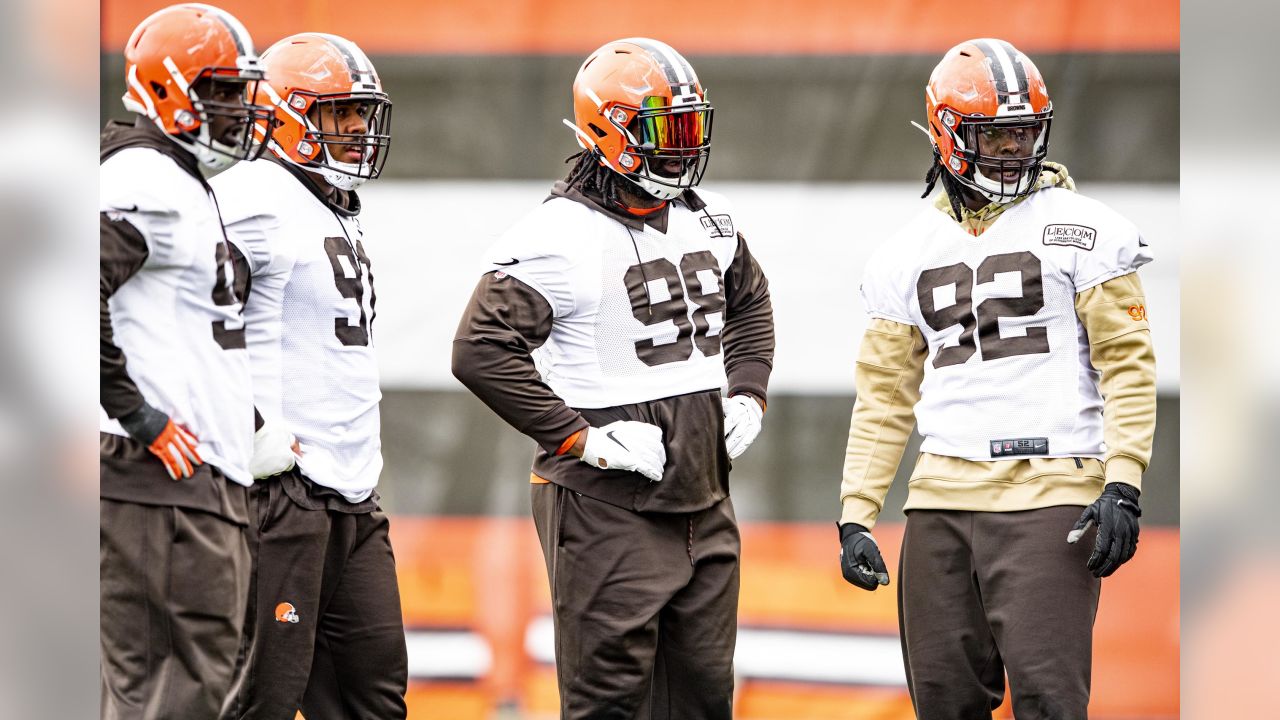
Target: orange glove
<point>167,440</point>
<point>176,448</point>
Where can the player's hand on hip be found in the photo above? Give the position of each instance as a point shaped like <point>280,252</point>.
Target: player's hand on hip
<point>860,560</point>
<point>275,450</point>
<point>174,444</point>
<point>1116,514</point>
<point>742,418</point>
<point>626,445</point>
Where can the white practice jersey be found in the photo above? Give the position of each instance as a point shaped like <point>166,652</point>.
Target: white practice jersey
<point>1008,365</point>
<point>178,320</point>
<point>310,322</point>
<point>638,313</point>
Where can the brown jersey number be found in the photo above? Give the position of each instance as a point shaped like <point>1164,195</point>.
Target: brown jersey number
<point>352,287</point>
<point>985,318</point>
<point>689,302</point>
<point>229,288</point>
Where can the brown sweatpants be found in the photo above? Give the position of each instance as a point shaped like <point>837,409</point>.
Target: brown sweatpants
<point>337,649</point>
<point>985,593</point>
<point>172,584</point>
<point>645,607</point>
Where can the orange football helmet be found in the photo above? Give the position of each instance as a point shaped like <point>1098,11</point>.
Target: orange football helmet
<point>989,115</point>
<point>638,105</point>
<point>177,62</point>
<point>332,115</point>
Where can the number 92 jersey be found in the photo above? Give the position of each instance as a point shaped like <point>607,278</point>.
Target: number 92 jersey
<point>638,312</point>
<point>1008,359</point>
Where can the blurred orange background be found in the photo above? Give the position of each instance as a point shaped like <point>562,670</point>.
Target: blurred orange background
<point>486,576</point>
<point>711,26</point>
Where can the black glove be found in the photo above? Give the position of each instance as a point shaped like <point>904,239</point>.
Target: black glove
<point>860,560</point>
<point>1116,512</point>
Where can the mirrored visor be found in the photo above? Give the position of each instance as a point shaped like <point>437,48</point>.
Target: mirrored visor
<point>667,129</point>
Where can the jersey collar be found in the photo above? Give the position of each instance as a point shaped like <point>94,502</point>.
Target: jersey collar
<point>976,222</point>
<point>656,220</point>
<point>341,202</point>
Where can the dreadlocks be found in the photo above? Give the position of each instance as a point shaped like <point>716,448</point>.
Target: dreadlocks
<point>949,184</point>
<point>590,177</point>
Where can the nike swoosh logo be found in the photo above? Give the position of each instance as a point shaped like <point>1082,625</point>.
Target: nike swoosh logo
<point>508,264</point>
<point>611,437</point>
<point>133,208</point>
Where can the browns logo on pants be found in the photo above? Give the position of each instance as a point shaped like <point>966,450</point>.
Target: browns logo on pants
<point>324,633</point>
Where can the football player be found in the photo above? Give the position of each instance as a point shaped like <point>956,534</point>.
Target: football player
<point>643,300</point>
<point>1008,322</point>
<point>177,418</point>
<point>324,633</point>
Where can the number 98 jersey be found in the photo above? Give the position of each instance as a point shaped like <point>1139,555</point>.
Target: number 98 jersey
<point>1008,358</point>
<point>638,312</point>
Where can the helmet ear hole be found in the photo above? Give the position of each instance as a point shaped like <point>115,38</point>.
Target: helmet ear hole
<point>596,129</point>
<point>159,90</point>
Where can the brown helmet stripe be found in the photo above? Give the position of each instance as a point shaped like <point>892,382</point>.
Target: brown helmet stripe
<point>677,70</point>
<point>1007,70</point>
<point>244,45</point>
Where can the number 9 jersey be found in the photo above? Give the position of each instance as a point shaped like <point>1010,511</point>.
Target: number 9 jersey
<point>1008,370</point>
<point>309,319</point>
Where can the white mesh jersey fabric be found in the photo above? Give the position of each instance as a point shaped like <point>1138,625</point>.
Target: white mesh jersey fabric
<point>1029,374</point>
<point>163,318</point>
<point>310,315</point>
<point>638,313</point>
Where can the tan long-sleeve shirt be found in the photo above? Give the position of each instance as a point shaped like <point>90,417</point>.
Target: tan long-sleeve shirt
<point>888,374</point>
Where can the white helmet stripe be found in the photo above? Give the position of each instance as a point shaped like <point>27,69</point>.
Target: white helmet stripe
<point>586,141</point>
<point>141,92</point>
<point>357,62</point>
<point>176,74</point>
<point>679,71</point>
<point>999,55</point>
<point>282,106</point>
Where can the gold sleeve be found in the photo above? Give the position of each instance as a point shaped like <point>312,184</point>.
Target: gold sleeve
<point>887,380</point>
<point>1114,315</point>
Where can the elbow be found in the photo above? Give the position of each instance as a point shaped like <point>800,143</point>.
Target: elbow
<point>461,365</point>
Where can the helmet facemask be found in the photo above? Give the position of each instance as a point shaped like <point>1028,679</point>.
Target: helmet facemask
<point>668,146</point>
<point>225,133</point>
<point>1000,158</point>
<point>330,147</point>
